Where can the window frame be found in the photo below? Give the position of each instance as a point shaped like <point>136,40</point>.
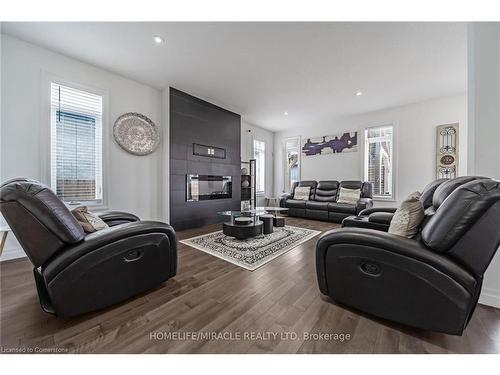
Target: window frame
<point>260,192</point>
<point>366,142</point>
<point>297,139</point>
<point>46,146</point>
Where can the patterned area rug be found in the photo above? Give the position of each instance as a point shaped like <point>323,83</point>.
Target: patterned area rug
<point>253,252</point>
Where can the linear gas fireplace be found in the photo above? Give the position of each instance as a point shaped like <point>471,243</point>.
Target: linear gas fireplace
<point>201,187</point>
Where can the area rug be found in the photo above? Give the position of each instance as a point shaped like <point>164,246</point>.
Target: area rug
<point>253,252</point>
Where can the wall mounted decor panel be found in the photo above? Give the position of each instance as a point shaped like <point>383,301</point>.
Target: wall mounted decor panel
<point>195,121</point>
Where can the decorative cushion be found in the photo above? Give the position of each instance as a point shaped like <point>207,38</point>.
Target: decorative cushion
<point>350,196</point>
<point>89,221</point>
<point>408,217</point>
<point>302,193</point>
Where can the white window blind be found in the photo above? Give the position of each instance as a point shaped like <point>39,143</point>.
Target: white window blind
<point>76,145</point>
<point>379,160</point>
<point>259,154</point>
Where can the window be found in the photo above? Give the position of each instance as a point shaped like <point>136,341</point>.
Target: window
<point>76,145</point>
<point>259,154</point>
<point>292,163</point>
<point>379,160</point>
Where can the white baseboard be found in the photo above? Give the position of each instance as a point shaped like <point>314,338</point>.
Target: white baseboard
<point>490,297</point>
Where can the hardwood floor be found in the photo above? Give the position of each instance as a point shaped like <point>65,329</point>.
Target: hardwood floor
<point>211,295</point>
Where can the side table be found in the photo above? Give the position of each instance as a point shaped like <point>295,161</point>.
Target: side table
<point>4,229</point>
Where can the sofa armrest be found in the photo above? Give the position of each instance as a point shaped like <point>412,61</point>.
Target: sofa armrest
<point>384,218</point>
<point>389,243</point>
<point>284,197</point>
<point>134,232</point>
<point>113,218</point>
<point>368,211</point>
<point>363,204</point>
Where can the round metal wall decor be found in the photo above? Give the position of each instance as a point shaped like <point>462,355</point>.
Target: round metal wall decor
<point>136,133</point>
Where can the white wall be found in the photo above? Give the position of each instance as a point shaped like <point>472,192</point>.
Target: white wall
<point>414,151</point>
<point>133,183</point>
<point>484,120</point>
<point>249,132</point>
<point>164,201</point>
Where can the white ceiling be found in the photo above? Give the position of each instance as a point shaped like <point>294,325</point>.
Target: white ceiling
<point>260,70</point>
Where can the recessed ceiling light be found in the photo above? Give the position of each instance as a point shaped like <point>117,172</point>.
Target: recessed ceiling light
<point>158,39</point>
<point>359,93</point>
<point>285,113</point>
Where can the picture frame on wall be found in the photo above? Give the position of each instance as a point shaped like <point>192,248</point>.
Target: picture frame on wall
<point>330,144</point>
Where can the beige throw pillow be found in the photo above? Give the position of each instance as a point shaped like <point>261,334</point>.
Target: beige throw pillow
<point>302,193</point>
<point>408,217</point>
<point>349,196</point>
<point>89,221</point>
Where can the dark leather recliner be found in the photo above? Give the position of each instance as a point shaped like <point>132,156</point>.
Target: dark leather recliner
<point>322,203</point>
<point>76,273</point>
<point>432,281</point>
<point>380,217</point>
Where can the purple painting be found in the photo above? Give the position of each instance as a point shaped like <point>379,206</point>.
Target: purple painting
<point>331,144</point>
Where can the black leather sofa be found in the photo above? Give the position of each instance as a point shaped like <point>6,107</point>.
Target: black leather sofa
<point>432,281</point>
<point>380,218</point>
<point>322,203</point>
<point>76,273</point>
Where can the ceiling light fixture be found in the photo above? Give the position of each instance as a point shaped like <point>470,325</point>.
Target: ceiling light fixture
<point>285,113</point>
<point>359,93</point>
<point>158,39</point>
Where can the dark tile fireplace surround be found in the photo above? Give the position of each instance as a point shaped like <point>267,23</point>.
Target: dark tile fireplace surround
<point>204,140</point>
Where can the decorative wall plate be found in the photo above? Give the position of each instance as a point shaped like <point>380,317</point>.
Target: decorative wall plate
<point>136,133</point>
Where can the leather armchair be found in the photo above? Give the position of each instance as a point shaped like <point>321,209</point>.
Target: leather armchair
<point>380,217</point>
<point>430,282</point>
<point>77,273</point>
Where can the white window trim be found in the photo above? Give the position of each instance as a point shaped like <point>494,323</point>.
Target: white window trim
<point>257,192</point>
<point>286,189</point>
<point>45,130</point>
<point>394,159</point>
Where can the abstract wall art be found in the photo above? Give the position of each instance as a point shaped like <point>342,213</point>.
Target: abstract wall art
<point>447,151</point>
<point>330,144</point>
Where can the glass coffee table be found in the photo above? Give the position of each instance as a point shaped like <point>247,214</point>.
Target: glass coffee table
<point>247,223</point>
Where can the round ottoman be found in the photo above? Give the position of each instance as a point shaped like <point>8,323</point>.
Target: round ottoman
<point>267,220</point>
